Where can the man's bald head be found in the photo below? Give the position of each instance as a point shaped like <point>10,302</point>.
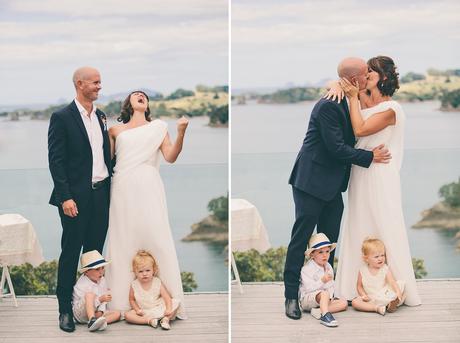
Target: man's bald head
<point>87,82</point>
<point>353,69</point>
<point>84,74</point>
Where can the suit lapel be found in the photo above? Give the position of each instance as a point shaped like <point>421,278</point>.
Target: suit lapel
<point>77,116</point>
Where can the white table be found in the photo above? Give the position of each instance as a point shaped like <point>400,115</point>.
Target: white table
<point>18,244</point>
<point>247,231</point>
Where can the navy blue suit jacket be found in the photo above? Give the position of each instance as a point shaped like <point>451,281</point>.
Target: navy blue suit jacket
<point>323,165</point>
<point>70,157</point>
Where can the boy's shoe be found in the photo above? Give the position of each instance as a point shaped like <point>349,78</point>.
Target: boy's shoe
<point>316,312</point>
<point>329,320</point>
<point>95,324</point>
<point>164,323</point>
<point>103,327</point>
<point>153,323</point>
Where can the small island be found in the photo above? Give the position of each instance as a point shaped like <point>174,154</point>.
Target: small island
<point>213,228</point>
<point>445,214</point>
<point>443,85</point>
<point>203,101</point>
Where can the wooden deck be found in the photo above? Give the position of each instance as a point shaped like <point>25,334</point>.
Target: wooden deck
<point>258,316</point>
<point>36,320</point>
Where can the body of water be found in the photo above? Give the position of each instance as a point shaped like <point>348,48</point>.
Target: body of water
<point>265,142</point>
<point>200,174</point>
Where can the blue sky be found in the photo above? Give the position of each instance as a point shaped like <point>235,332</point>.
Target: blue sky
<point>300,42</point>
<point>161,45</point>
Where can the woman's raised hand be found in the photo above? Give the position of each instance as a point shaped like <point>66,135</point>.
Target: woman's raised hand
<point>351,90</point>
<point>335,92</point>
<point>182,124</point>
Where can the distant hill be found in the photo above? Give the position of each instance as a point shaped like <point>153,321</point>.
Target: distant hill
<point>122,95</point>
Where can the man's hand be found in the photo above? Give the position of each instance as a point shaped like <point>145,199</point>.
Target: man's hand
<point>70,208</point>
<point>139,312</point>
<point>381,154</point>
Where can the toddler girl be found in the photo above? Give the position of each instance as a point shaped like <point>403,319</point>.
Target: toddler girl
<point>378,291</point>
<point>150,300</point>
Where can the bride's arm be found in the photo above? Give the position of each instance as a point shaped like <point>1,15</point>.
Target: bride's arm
<point>169,150</point>
<point>371,125</point>
<point>334,90</point>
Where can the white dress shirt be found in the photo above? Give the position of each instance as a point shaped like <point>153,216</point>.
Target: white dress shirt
<point>96,141</point>
<point>86,285</point>
<point>310,278</point>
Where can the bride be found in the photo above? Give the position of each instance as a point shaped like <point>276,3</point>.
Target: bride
<point>138,216</point>
<point>374,194</point>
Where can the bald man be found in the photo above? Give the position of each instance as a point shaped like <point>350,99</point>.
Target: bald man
<point>320,175</point>
<point>79,162</point>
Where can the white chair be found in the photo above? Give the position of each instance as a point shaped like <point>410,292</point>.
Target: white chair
<point>7,278</point>
<point>18,245</point>
<point>247,232</point>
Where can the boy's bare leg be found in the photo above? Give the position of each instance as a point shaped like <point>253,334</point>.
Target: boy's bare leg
<point>89,304</point>
<point>338,305</point>
<point>112,316</point>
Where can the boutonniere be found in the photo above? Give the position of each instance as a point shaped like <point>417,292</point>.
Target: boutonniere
<point>104,121</point>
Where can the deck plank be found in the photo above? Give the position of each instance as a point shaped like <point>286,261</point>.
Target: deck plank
<point>258,316</point>
<point>36,320</point>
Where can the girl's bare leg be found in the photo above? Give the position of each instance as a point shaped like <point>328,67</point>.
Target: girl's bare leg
<point>133,318</point>
<point>367,306</point>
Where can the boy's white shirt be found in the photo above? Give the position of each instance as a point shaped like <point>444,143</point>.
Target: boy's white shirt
<point>85,285</point>
<point>310,279</point>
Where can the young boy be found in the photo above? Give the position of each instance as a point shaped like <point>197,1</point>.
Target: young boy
<point>90,293</point>
<point>317,282</point>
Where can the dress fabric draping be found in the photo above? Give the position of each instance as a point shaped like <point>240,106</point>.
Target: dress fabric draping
<point>139,216</point>
<point>375,209</point>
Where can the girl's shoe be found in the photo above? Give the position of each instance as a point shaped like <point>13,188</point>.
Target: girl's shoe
<point>381,310</point>
<point>153,323</point>
<point>164,323</point>
<point>393,305</point>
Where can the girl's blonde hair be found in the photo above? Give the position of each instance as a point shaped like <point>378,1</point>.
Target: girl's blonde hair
<point>142,257</point>
<point>371,244</point>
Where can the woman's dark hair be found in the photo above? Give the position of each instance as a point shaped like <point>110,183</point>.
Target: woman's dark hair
<point>127,110</point>
<point>388,76</point>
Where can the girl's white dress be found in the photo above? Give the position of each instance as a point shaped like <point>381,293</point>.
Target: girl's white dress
<point>375,209</point>
<point>150,300</point>
<point>376,286</point>
<point>138,217</point>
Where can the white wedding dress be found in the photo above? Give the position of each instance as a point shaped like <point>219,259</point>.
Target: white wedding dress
<point>375,209</point>
<point>138,216</point>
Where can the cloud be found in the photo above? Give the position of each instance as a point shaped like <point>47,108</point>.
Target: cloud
<point>274,43</point>
<point>123,8</point>
<point>176,43</point>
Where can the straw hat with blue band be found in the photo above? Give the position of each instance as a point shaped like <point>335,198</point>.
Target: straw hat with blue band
<point>318,241</point>
<point>92,260</point>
